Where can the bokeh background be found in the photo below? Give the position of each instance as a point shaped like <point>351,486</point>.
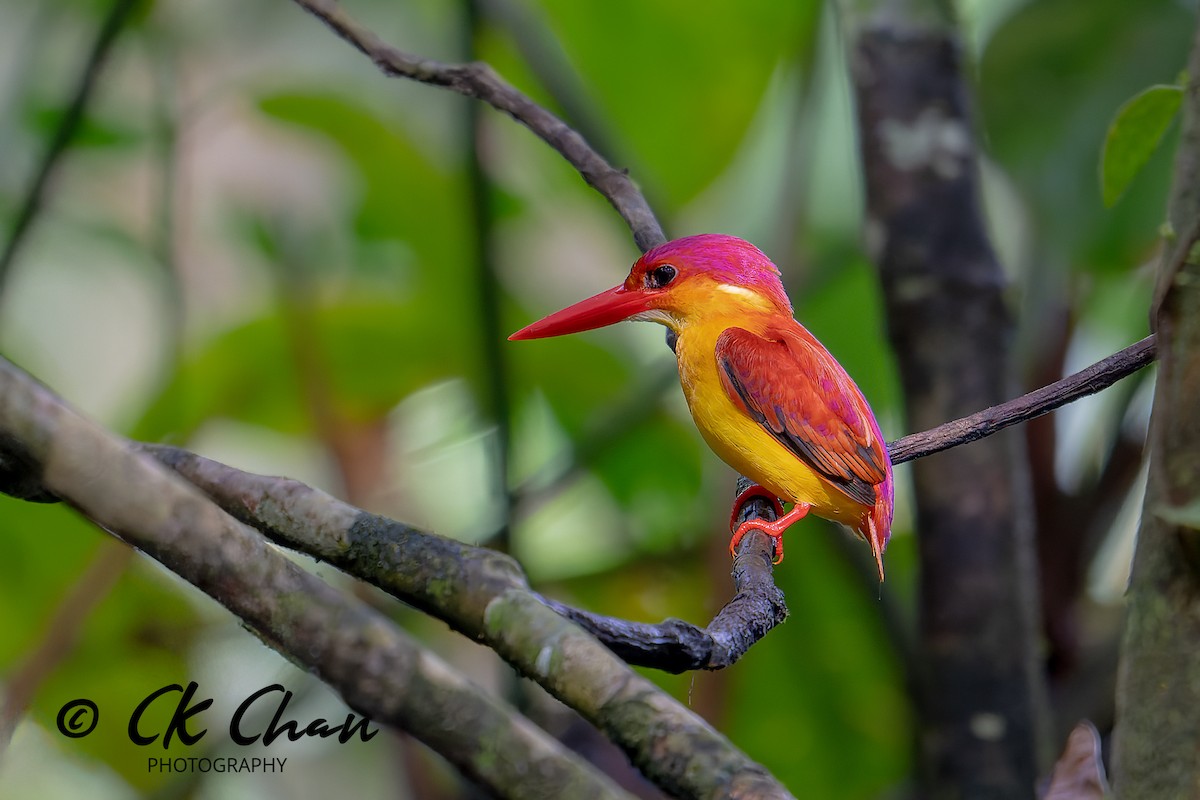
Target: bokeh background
<point>259,248</point>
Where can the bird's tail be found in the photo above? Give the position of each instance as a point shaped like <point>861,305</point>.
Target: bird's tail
<point>879,521</point>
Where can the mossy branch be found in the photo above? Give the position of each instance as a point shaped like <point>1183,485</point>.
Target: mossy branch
<point>377,669</point>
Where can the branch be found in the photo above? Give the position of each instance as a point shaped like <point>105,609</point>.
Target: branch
<point>118,14</point>
<point>480,81</point>
<point>453,581</point>
<point>677,646</point>
<point>483,595</point>
<point>377,668</point>
<point>1087,381</point>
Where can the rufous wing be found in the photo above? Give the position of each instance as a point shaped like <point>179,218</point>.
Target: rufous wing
<point>788,383</point>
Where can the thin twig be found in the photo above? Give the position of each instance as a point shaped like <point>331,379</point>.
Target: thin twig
<point>1087,381</point>
<point>480,81</point>
<point>110,27</point>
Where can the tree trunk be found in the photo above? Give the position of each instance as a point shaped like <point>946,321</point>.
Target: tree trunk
<point>1157,738</point>
<point>981,689</point>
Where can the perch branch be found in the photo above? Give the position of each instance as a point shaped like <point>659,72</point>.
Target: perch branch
<point>677,646</point>
<point>1087,381</point>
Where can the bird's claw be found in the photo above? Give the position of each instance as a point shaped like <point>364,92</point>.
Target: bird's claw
<point>746,496</point>
<point>758,525</point>
<point>774,528</point>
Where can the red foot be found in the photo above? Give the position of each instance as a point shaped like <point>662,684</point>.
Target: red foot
<point>754,491</point>
<point>773,529</point>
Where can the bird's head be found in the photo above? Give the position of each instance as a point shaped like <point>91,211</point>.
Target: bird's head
<point>676,283</point>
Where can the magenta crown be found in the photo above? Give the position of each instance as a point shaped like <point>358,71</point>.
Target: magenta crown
<point>727,259</point>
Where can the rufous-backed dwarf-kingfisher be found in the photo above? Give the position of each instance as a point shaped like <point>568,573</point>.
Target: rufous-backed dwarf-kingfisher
<point>767,397</point>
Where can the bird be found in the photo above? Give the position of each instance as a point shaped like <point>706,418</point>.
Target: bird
<point>766,396</point>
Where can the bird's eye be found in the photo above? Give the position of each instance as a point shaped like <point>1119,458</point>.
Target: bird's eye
<point>660,276</point>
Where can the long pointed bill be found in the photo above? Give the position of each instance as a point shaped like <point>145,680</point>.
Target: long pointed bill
<point>615,305</point>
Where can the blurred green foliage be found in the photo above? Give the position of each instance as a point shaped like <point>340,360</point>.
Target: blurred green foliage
<point>1133,136</point>
<point>121,655</point>
<point>1051,79</point>
<point>315,215</point>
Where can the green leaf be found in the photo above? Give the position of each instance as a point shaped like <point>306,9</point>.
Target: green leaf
<point>1050,79</point>
<point>1133,135</point>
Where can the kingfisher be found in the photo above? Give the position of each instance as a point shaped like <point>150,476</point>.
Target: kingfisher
<point>767,397</point>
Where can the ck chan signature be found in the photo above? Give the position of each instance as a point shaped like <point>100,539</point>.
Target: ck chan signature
<point>78,718</point>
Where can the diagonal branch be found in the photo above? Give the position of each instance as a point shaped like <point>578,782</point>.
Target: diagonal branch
<point>375,666</point>
<point>454,582</point>
<point>483,594</point>
<point>480,81</point>
<point>678,646</point>
<point>1087,381</point>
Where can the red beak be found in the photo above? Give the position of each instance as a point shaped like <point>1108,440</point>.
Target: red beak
<point>615,305</point>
